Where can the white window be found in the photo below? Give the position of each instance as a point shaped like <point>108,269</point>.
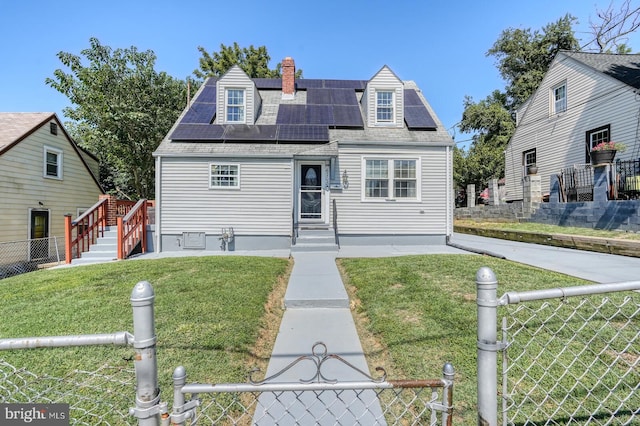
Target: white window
<point>224,176</point>
<point>396,179</point>
<point>235,105</point>
<point>528,160</point>
<point>52,167</point>
<point>384,107</point>
<point>559,99</point>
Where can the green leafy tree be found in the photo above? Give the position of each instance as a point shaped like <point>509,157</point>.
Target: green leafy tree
<point>492,126</point>
<point>254,61</point>
<point>523,57</point>
<point>121,110</point>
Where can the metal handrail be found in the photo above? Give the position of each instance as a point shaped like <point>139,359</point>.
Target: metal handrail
<point>335,222</point>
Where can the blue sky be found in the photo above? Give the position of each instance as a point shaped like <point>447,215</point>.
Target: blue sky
<point>440,46</point>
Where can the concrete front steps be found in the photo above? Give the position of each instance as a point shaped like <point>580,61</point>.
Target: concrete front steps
<point>105,249</point>
<point>315,238</point>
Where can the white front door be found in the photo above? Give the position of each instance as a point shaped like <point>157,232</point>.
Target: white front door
<point>312,198</point>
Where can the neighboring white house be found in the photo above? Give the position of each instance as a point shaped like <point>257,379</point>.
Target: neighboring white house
<point>584,99</point>
<point>268,156</point>
<point>43,176</point>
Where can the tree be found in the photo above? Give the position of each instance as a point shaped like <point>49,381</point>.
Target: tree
<point>524,56</point>
<point>610,33</point>
<point>493,125</point>
<point>254,61</point>
<point>122,109</point>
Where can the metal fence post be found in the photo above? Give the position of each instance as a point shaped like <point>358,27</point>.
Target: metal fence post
<point>486,285</point>
<point>148,408</point>
<point>448,373</point>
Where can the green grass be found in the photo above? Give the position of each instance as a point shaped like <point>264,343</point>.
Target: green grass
<point>422,312</point>
<point>208,312</point>
<point>549,229</point>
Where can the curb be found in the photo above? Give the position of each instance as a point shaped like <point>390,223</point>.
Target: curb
<point>577,242</point>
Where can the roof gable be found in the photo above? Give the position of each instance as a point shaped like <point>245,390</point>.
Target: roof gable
<point>17,126</point>
<point>624,68</point>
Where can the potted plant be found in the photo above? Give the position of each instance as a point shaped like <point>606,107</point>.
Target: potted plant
<point>604,152</point>
<point>532,169</point>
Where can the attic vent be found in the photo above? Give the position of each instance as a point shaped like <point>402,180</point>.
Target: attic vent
<point>53,127</point>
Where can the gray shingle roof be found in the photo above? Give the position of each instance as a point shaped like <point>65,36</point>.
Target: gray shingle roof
<point>15,125</point>
<point>271,98</point>
<point>625,68</point>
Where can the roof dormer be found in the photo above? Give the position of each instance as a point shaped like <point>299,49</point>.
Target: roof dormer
<point>383,100</point>
<point>238,98</point>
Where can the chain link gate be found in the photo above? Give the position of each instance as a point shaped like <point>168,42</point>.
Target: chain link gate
<point>101,396</point>
<point>318,400</point>
<point>569,355</point>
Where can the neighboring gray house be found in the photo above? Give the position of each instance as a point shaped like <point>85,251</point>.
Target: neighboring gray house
<point>584,99</point>
<point>268,157</point>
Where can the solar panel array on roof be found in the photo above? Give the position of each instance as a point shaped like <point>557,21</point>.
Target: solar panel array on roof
<point>243,133</point>
<point>348,116</point>
<point>200,113</point>
<point>268,83</point>
<point>331,96</point>
<point>304,84</point>
<point>417,117</point>
<point>197,132</point>
<point>207,95</point>
<point>303,133</point>
<point>411,98</point>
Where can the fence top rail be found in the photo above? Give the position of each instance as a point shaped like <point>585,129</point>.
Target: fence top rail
<point>556,293</point>
<point>121,338</point>
<point>194,388</point>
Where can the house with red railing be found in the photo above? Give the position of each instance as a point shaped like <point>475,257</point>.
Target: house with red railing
<point>277,163</point>
<point>44,175</point>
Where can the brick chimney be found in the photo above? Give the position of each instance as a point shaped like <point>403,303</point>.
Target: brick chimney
<point>288,78</point>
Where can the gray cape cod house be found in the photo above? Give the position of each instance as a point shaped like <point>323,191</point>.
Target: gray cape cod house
<point>254,163</point>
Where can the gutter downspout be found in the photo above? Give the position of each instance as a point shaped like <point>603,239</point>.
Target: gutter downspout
<point>158,207</point>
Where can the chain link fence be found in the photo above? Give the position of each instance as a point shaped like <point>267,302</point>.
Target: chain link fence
<point>100,397</point>
<point>570,356</point>
<point>18,257</point>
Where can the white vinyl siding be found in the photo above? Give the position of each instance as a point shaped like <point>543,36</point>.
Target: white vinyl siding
<point>428,216</point>
<point>234,82</point>
<point>387,83</point>
<point>262,205</point>
<point>596,100</point>
<point>23,185</point>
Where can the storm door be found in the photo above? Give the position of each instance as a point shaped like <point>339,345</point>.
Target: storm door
<point>39,243</point>
<point>311,204</point>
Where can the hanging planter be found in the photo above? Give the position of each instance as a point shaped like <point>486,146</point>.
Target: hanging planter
<point>532,169</point>
<point>599,158</point>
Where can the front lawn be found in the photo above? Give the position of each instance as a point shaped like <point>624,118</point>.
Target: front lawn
<point>415,313</point>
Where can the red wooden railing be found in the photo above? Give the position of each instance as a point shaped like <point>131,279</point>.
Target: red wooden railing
<point>132,230</point>
<point>85,230</point>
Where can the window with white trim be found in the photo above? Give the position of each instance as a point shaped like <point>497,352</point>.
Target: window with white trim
<point>391,179</point>
<point>595,137</point>
<point>559,99</point>
<point>52,167</point>
<point>384,106</point>
<point>235,105</point>
<point>528,159</point>
<point>224,176</point>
